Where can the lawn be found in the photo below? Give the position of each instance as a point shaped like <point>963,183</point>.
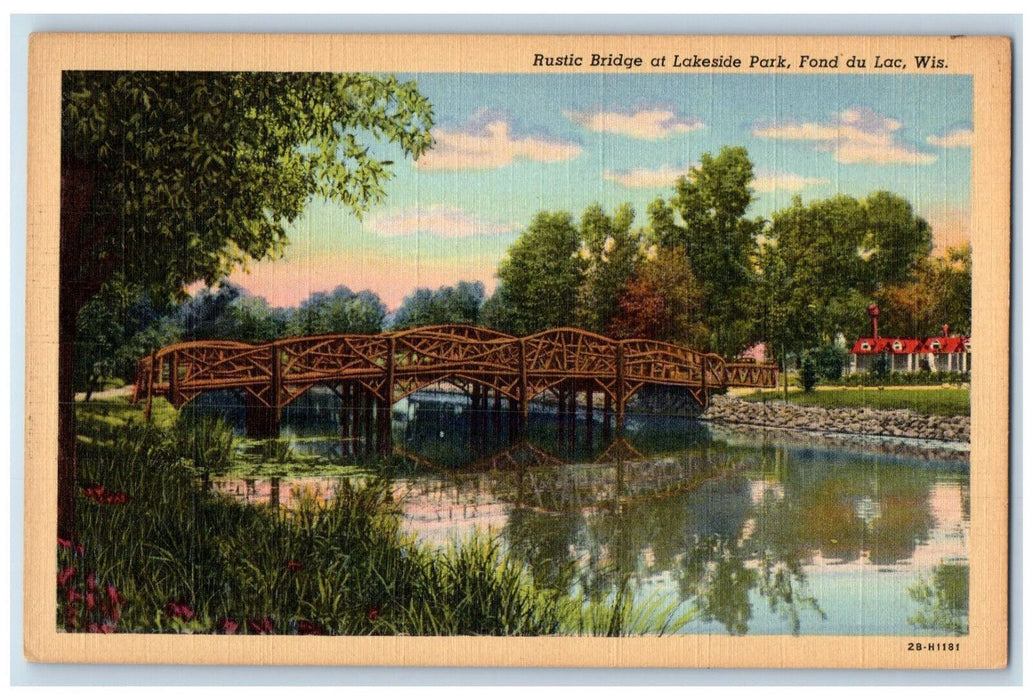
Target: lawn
<point>942,401</point>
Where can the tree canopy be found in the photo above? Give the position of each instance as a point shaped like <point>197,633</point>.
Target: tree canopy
<point>173,177</point>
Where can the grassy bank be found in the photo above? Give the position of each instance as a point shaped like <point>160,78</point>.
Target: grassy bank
<point>942,401</point>
<point>156,551</point>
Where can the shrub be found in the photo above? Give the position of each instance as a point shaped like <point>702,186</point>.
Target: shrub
<point>829,361</point>
<point>808,372</point>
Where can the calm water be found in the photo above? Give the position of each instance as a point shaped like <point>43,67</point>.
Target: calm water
<point>761,535</point>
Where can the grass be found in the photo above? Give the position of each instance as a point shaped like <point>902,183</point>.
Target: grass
<point>156,551</point>
<point>942,401</point>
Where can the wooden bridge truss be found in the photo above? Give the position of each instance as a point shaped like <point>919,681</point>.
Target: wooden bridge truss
<point>372,372</point>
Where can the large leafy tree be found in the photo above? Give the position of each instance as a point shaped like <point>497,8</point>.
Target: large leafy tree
<point>822,263</point>
<point>170,177</point>
<point>719,239</point>
<point>540,277</point>
<point>611,251</point>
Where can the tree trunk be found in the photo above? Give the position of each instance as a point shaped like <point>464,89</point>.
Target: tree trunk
<point>67,463</point>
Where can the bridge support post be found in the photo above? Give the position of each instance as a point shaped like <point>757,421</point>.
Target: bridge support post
<point>620,389</point>
<point>572,415</point>
<point>260,421</point>
<point>561,414</point>
<point>589,419</point>
<point>385,445</point>
<point>607,417</point>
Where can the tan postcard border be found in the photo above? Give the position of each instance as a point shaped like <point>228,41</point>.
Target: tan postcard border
<point>987,59</point>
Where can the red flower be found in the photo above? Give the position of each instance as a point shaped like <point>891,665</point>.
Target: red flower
<point>372,614</point>
<point>294,566</point>
<point>102,628</point>
<point>179,609</point>
<point>73,596</point>
<point>91,581</point>
<point>114,597</point>
<point>306,627</point>
<point>91,600</point>
<point>65,575</point>
<point>227,625</point>
<point>263,626</point>
<point>65,544</point>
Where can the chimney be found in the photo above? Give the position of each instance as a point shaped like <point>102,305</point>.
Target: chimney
<point>873,313</point>
<point>946,328</point>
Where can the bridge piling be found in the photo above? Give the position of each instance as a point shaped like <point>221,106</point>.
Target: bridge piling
<point>607,417</point>
<point>589,419</point>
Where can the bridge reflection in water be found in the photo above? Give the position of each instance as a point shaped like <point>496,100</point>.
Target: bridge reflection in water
<point>501,374</point>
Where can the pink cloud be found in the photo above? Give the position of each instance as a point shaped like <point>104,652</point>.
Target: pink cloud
<point>957,138</point>
<point>856,135</point>
<point>772,181</point>
<point>438,220</point>
<point>643,124</point>
<point>664,176</point>
<point>488,141</point>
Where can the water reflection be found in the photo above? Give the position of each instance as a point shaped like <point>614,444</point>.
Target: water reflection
<point>758,537</point>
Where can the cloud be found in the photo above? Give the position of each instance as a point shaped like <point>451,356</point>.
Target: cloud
<point>438,220</point>
<point>643,124</point>
<point>856,135</point>
<point>488,141</point>
<point>664,176</point>
<point>958,138</point>
<point>771,181</point>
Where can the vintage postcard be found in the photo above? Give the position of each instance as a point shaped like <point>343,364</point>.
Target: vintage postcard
<point>679,351</point>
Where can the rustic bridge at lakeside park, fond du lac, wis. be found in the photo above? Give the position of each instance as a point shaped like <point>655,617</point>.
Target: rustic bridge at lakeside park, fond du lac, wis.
<point>375,371</point>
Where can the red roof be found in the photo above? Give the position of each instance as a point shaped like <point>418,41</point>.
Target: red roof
<point>946,344</point>
<point>910,346</point>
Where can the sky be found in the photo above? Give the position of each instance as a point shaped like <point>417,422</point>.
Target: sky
<point>510,145</point>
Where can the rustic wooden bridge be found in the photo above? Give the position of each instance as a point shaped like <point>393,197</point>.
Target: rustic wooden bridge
<point>371,372</point>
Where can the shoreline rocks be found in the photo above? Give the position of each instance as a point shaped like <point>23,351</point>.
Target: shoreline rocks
<point>850,421</point>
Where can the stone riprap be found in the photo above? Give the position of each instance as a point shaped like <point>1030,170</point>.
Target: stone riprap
<point>854,421</point>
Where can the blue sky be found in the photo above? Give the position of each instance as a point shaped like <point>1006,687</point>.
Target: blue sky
<point>510,145</point>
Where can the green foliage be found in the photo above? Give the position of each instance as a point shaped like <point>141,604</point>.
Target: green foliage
<point>206,440</point>
<point>941,402</point>
<point>829,360</point>
<point>881,367</point>
<point>823,261</point>
<point>459,304</point>
<point>209,167</point>
<point>808,372</point>
<point>923,378</point>
<point>719,240</point>
<point>939,292</point>
<point>611,252</point>
<point>541,274</point>
<point>944,599</point>
<point>339,311</point>
<point>180,558</point>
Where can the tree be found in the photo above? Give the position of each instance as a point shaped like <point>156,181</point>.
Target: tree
<point>939,292</point>
<point>174,177</point>
<point>540,277</point>
<point>339,311</point>
<point>458,304</point>
<point>718,238</point>
<point>662,302</point>
<point>611,252</point>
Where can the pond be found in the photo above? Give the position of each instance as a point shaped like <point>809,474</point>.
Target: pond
<point>759,533</point>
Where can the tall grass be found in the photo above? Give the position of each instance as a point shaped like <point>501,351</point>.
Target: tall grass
<point>184,559</point>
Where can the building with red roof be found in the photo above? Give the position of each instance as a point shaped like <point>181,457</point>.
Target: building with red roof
<point>944,353</point>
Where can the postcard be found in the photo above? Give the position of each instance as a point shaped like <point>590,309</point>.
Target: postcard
<point>469,350</point>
